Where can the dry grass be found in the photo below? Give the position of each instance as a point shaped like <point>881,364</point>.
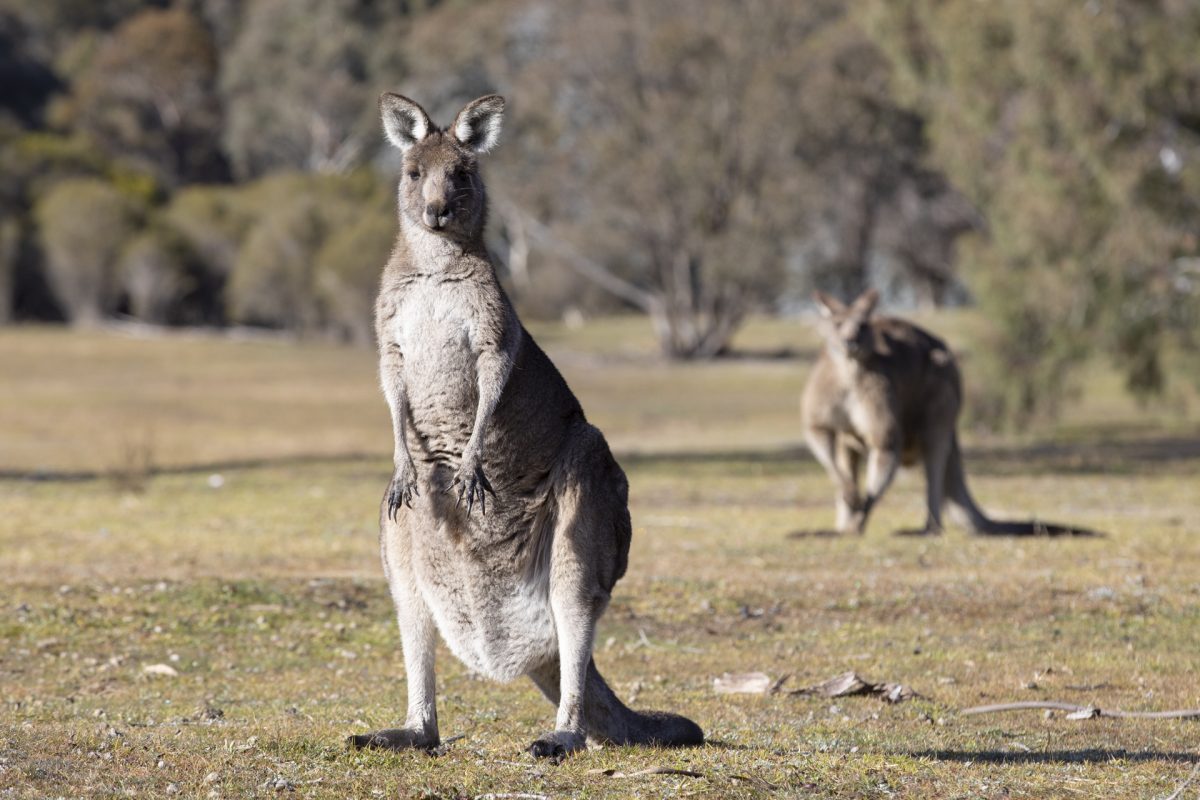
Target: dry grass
<point>264,594</point>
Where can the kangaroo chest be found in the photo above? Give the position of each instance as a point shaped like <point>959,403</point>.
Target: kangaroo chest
<point>434,327</point>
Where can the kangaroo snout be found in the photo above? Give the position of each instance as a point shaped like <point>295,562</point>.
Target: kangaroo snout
<point>437,215</point>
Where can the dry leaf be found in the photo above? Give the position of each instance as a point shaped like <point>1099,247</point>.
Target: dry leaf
<point>160,669</point>
<point>850,683</point>
<point>1084,713</point>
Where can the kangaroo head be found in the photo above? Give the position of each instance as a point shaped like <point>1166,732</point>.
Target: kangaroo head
<point>440,187</point>
<point>846,328</point>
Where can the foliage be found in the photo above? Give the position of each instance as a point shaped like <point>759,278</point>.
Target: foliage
<point>696,161</point>
<point>347,270</point>
<point>299,83</point>
<point>167,282</point>
<point>684,156</point>
<point>149,95</point>
<point>281,279</point>
<point>84,224</point>
<point>1076,129</point>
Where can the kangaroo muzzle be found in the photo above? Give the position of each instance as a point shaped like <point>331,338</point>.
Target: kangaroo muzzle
<point>437,215</point>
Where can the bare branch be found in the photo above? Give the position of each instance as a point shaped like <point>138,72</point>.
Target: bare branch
<point>1082,712</point>
<point>589,268</point>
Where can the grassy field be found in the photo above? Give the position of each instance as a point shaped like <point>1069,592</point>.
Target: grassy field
<point>191,602</point>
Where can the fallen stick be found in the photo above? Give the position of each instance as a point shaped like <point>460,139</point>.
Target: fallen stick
<point>1082,712</point>
<point>612,773</point>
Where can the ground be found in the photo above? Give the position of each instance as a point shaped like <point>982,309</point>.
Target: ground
<point>191,601</point>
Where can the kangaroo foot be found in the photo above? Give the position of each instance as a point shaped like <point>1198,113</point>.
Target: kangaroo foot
<point>395,739</point>
<point>557,745</point>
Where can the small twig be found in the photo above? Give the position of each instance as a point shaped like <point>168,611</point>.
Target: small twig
<point>779,682</point>
<point>756,781</point>
<point>1082,712</point>
<point>612,773</point>
<point>512,796</point>
<point>1187,781</point>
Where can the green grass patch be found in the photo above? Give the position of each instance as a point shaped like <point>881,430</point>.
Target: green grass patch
<point>263,593</point>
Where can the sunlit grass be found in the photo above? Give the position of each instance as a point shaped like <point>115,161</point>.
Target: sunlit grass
<point>262,590</point>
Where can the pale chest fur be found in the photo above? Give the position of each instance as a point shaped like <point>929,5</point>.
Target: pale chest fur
<point>865,403</point>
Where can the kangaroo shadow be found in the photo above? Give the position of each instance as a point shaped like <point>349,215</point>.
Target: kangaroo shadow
<point>1092,755</point>
<point>1040,530</point>
<point>813,533</point>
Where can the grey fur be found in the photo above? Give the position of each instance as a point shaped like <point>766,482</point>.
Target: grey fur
<point>506,523</point>
<point>884,393</point>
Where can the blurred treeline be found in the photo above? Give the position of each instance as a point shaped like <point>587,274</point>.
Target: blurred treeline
<point>218,162</point>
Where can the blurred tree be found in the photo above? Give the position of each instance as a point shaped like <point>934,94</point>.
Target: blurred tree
<point>55,20</point>
<point>348,267</point>
<point>678,154</point>
<point>297,268</point>
<point>28,81</point>
<point>1075,127</point>
<point>166,280</point>
<point>10,244</point>
<point>299,84</point>
<point>150,96</point>
<point>215,221</point>
<point>656,150</point>
<point>84,223</point>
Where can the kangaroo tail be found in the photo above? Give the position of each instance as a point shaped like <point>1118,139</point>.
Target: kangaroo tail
<point>610,720</point>
<point>959,497</point>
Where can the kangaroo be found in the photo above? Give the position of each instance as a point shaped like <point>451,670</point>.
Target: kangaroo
<point>887,393</point>
<point>514,585</point>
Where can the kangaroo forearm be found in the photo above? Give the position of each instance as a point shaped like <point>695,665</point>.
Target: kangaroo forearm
<point>493,370</point>
<point>397,400</point>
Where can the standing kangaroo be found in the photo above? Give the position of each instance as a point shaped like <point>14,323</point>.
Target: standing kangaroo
<point>515,585</point>
<point>888,393</point>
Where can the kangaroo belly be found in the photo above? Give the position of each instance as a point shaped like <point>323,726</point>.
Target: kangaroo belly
<point>494,614</point>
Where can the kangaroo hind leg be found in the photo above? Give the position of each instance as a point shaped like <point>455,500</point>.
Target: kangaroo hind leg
<point>936,449</point>
<point>831,451</point>
<point>418,636</point>
<point>588,553</point>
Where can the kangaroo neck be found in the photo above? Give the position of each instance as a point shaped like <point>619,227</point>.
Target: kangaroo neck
<point>849,370</point>
<point>434,254</point>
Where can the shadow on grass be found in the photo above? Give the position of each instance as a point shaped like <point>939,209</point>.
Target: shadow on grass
<point>76,476</point>
<point>1102,452</point>
<point>1095,755</point>
<point>814,533</point>
<point>1105,454</point>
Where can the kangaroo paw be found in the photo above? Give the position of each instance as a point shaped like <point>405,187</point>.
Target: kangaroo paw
<point>401,490</point>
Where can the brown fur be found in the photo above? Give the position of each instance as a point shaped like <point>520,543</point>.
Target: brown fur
<point>886,393</point>
<point>506,523</point>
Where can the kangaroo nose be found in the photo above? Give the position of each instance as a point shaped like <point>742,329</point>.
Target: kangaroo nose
<point>437,215</point>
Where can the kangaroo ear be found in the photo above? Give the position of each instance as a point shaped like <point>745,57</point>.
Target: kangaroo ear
<point>404,122</point>
<point>477,126</point>
<point>866,303</point>
<point>828,306</point>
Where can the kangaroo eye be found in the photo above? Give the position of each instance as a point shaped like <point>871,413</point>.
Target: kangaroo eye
<point>413,174</point>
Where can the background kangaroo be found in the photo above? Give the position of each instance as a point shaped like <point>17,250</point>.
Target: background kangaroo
<point>884,393</point>
<point>516,584</point>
